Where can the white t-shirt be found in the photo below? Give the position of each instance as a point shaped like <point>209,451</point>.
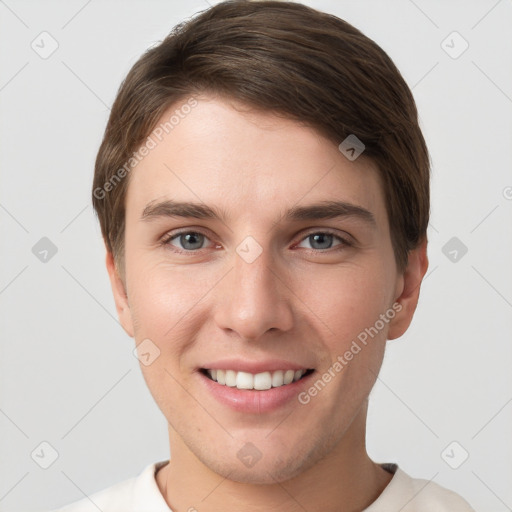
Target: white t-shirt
<point>403,493</point>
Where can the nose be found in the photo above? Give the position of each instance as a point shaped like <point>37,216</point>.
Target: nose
<point>253,298</point>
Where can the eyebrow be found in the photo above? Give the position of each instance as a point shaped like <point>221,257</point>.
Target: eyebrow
<point>170,208</point>
<point>319,211</point>
<point>331,210</point>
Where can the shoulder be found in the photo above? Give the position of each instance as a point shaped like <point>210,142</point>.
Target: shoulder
<point>429,496</point>
<point>125,496</point>
<point>409,494</point>
<point>112,499</point>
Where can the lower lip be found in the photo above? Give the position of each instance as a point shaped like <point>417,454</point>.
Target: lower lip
<point>252,401</point>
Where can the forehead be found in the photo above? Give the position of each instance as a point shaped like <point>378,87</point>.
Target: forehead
<point>247,162</point>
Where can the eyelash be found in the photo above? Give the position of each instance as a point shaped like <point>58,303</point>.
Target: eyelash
<point>166,239</point>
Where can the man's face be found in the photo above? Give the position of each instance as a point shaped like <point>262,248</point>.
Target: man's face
<point>271,284</point>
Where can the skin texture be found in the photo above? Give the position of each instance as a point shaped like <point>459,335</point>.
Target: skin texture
<point>295,302</point>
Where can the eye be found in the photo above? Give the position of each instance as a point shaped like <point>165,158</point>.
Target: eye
<point>186,240</point>
<point>323,240</point>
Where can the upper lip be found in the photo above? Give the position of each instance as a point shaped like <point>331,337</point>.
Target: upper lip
<point>243,365</point>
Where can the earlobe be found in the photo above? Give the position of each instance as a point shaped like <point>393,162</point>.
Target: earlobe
<point>410,291</point>
<point>120,295</point>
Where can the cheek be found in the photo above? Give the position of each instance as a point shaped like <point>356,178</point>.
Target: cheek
<point>165,303</point>
<point>348,301</point>
<point>162,297</point>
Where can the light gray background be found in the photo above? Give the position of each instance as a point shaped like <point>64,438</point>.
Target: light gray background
<point>68,375</point>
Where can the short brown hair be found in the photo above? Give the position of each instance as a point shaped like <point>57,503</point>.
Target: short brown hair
<point>288,59</point>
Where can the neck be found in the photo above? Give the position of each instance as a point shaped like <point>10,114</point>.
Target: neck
<point>346,480</point>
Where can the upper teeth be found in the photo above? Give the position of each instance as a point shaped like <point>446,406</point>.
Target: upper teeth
<point>258,381</point>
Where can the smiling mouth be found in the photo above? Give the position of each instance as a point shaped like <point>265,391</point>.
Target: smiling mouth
<point>259,381</point>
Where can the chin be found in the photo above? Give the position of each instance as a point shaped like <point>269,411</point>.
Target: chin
<point>260,474</point>
<point>273,467</point>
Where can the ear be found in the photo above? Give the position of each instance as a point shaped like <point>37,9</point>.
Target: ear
<point>120,295</point>
<point>410,290</point>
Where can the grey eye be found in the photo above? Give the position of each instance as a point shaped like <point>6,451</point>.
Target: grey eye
<point>189,241</point>
<point>320,241</point>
